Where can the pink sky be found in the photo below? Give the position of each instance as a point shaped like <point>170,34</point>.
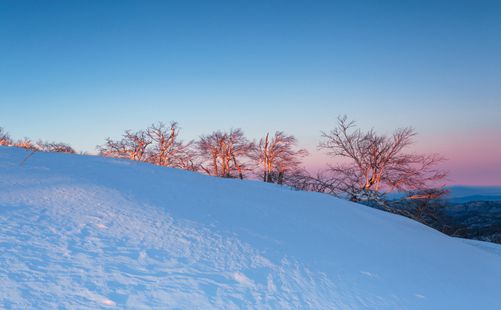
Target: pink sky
<point>472,159</point>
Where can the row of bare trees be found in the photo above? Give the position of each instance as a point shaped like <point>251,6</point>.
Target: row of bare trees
<point>373,164</point>
<point>159,144</point>
<point>38,146</point>
<point>223,154</point>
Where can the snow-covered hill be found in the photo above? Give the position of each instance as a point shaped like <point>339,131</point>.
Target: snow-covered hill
<point>83,232</point>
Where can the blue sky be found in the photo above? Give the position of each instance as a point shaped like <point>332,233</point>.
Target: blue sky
<point>79,71</point>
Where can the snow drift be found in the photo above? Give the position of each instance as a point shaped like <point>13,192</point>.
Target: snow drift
<point>89,232</point>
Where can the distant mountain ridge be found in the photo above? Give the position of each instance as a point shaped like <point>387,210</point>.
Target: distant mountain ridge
<point>464,193</point>
<point>461,193</point>
<point>472,212</point>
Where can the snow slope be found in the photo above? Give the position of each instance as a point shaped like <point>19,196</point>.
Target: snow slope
<point>87,232</point>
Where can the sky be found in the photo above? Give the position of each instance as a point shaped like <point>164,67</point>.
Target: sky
<point>81,71</point>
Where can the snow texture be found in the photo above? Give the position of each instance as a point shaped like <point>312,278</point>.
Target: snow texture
<point>83,232</point>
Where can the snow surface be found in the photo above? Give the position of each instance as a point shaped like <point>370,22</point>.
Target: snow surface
<point>87,232</point>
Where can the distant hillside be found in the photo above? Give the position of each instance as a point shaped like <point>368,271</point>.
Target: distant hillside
<point>84,232</point>
<point>474,193</point>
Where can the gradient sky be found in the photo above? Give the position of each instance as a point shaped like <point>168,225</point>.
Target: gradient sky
<point>79,71</point>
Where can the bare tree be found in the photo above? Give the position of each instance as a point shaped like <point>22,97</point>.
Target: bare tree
<point>113,148</point>
<point>26,143</point>
<point>136,144</point>
<point>57,147</point>
<point>276,156</point>
<point>188,159</point>
<point>223,153</point>
<point>321,182</point>
<point>159,144</point>
<point>5,139</point>
<point>209,149</point>
<point>166,148</point>
<point>133,145</point>
<point>239,148</point>
<point>378,163</point>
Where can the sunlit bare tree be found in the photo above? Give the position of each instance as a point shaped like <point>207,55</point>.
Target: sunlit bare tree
<point>166,148</point>
<point>189,159</point>
<point>277,156</point>
<point>133,145</point>
<point>26,143</point>
<point>378,163</point>
<point>224,153</point>
<point>5,139</point>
